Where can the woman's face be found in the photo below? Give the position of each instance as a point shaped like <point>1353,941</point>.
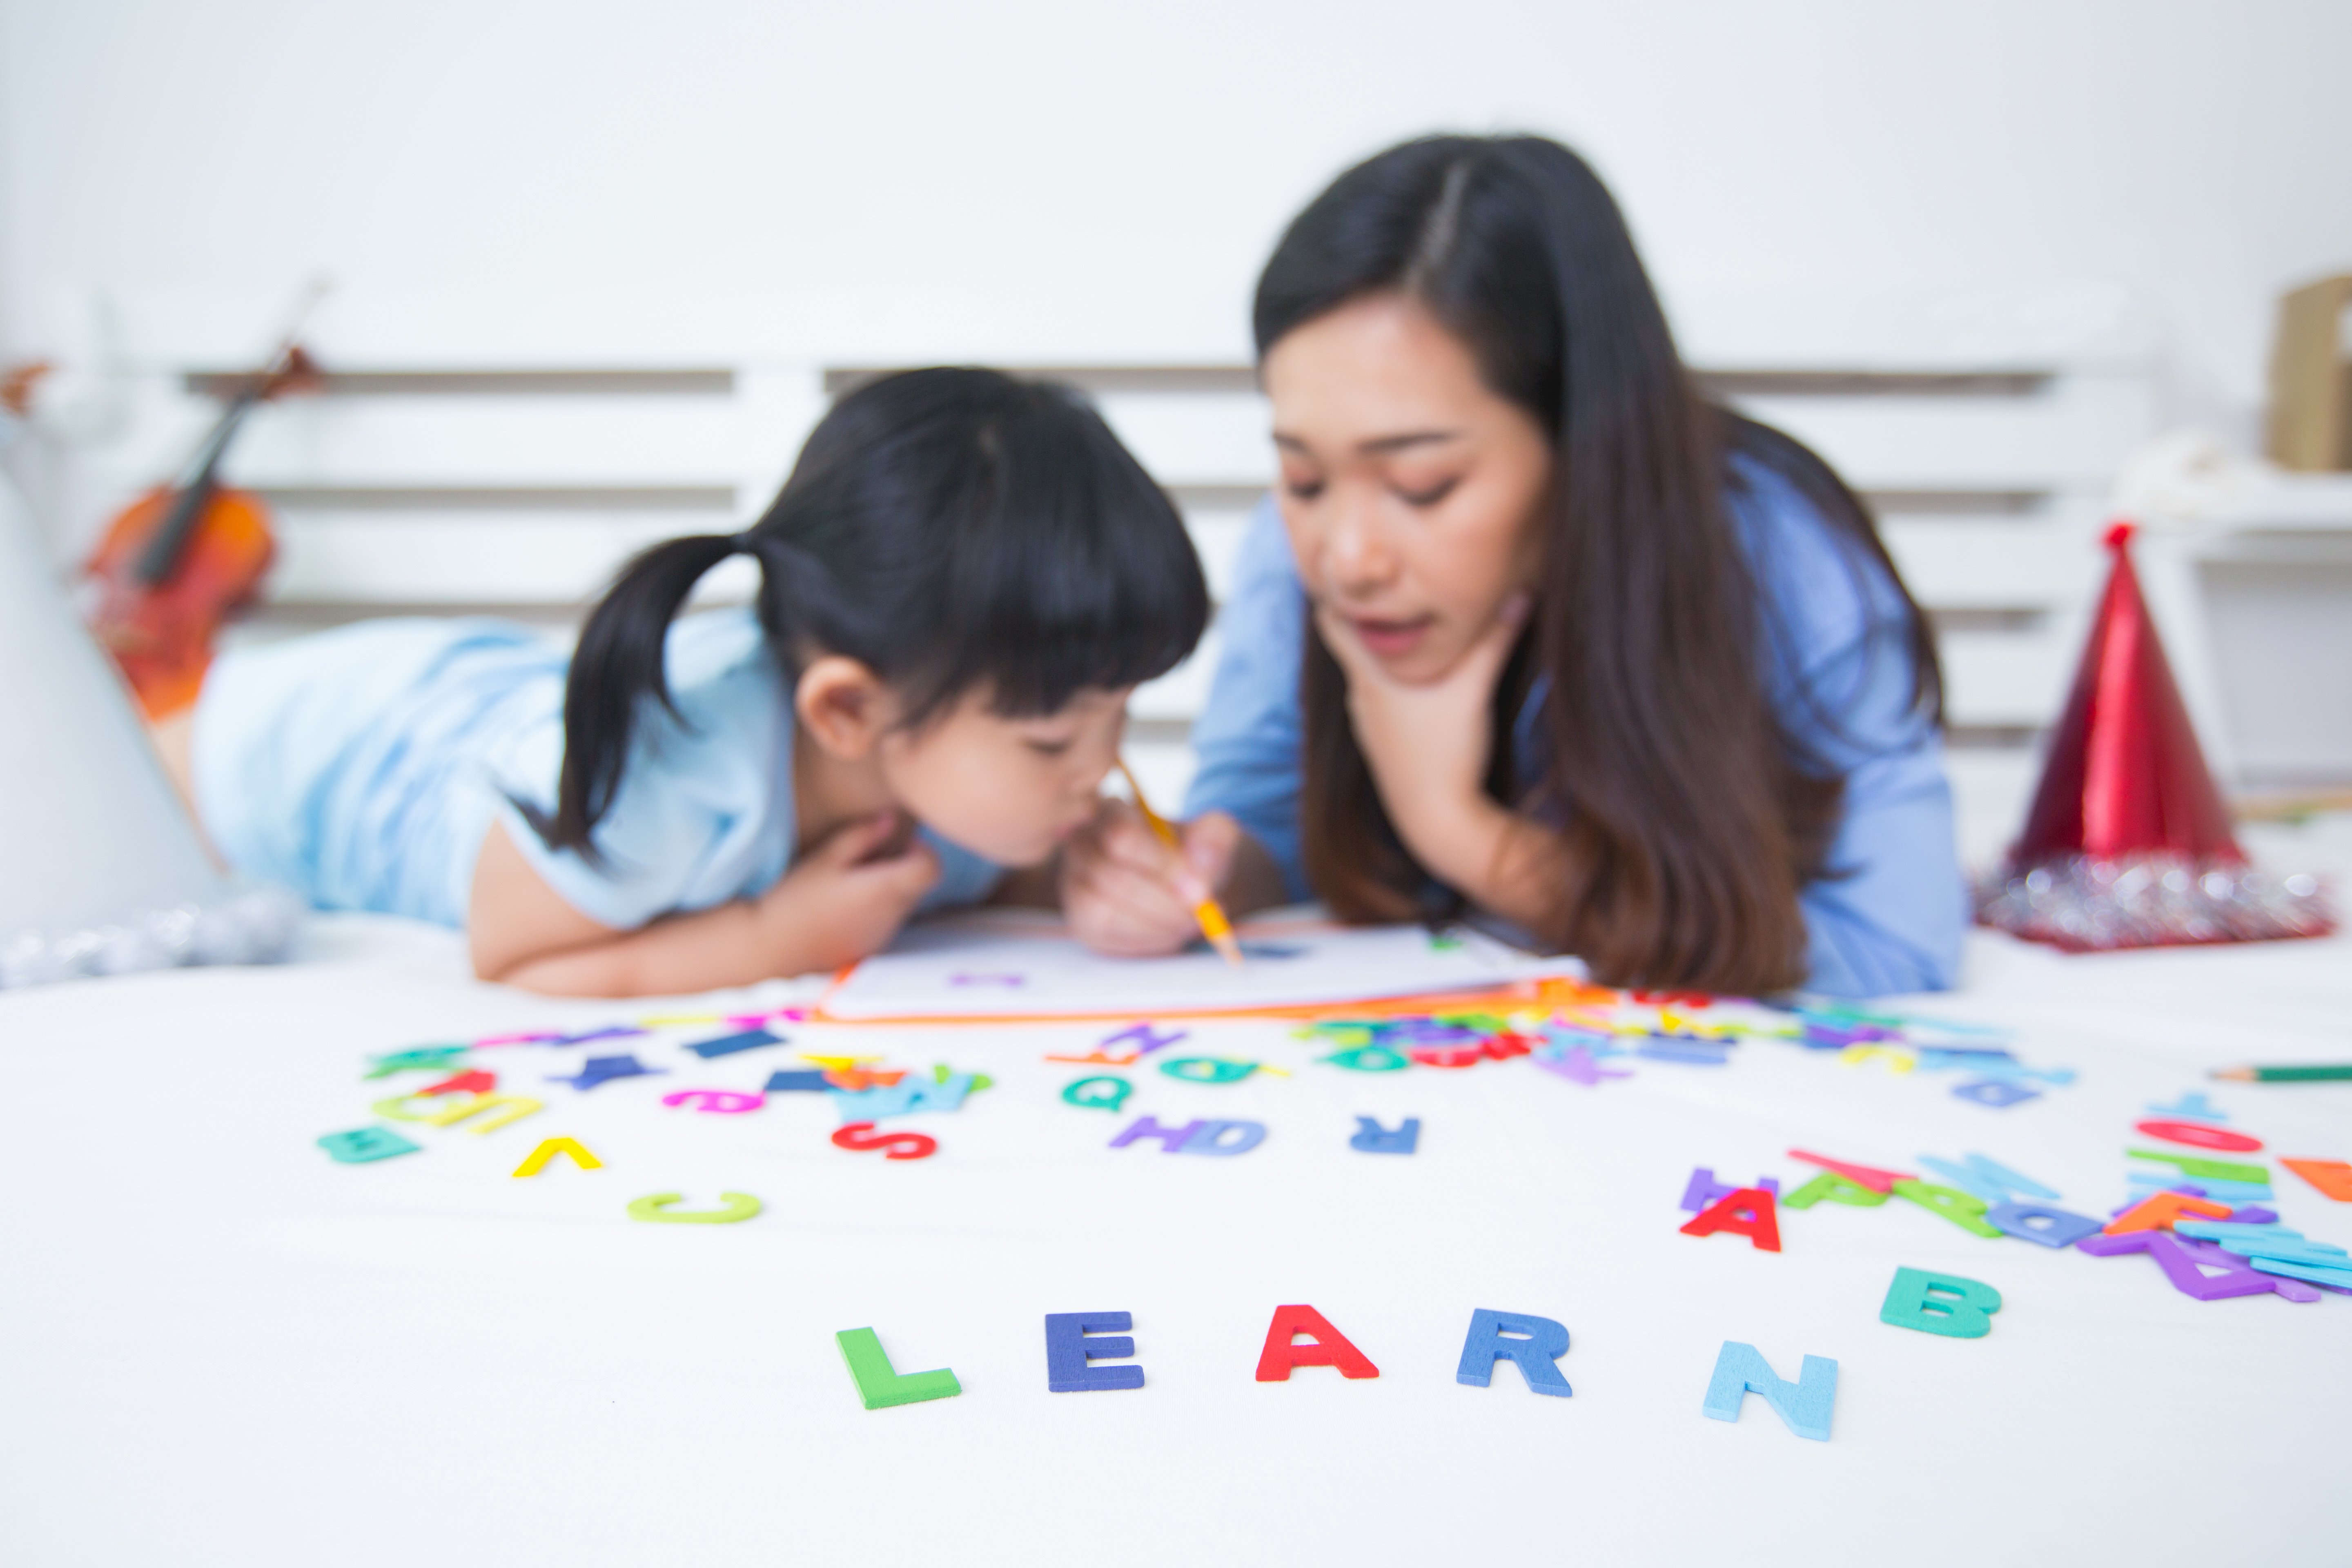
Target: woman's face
<point>1410,489</point>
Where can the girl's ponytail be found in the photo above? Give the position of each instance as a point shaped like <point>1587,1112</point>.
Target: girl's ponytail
<point>621,658</point>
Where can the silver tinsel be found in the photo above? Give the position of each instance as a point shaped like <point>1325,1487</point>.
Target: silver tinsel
<point>256,925</point>
<point>2090,905</point>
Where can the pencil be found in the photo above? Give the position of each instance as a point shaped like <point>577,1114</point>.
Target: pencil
<point>2283,1075</point>
<point>1208,911</point>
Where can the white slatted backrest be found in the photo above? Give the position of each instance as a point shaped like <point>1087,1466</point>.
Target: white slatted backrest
<point>471,459</point>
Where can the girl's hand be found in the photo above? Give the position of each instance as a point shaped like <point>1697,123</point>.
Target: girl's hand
<point>847,897</point>
<point>1125,892</point>
<point>1428,745</point>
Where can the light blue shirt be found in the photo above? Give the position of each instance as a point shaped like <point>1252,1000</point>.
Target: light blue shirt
<point>363,767</point>
<point>1888,916</point>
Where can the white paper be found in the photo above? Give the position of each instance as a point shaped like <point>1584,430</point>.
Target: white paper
<point>985,967</point>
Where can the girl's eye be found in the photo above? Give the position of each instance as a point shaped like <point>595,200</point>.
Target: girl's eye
<point>1303,490</point>
<point>1430,496</point>
<point>1049,748</point>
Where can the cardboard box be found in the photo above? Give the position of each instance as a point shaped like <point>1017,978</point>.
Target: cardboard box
<point>2311,380</point>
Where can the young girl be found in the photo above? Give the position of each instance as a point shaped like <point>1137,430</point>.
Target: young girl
<point>1533,627</point>
<point>961,580</point>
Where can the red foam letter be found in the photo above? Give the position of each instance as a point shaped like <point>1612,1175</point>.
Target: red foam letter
<point>1331,1347</point>
<point>2197,1135</point>
<point>1748,1212</point>
<point>1870,1176</point>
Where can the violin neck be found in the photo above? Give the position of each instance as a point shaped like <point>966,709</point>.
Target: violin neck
<point>164,549</point>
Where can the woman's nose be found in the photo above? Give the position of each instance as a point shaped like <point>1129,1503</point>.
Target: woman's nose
<point>1356,553</point>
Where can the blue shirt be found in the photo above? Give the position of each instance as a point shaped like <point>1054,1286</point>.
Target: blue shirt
<point>1888,916</point>
<point>363,767</point>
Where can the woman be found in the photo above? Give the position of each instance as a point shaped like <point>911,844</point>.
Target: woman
<point>1532,627</point>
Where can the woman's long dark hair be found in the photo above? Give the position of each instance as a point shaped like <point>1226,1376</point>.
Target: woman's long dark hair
<point>1688,813</point>
<point>945,528</point>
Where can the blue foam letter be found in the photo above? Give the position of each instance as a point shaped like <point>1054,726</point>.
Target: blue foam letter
<point>1172,1139</point>
<point>1536,1343</point>
<point>1374,1139</point>
<point>2039,1222</point>
<point>1067,1351</point>
<point>1805,1405</point>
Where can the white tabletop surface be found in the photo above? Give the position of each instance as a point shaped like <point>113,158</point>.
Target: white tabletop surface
<point>217,1346</point>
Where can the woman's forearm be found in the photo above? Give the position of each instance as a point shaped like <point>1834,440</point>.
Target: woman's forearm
<point>1500,862</point>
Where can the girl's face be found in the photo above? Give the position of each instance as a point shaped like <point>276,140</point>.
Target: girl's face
<point>1009,790</point>
<point>1410,489</point>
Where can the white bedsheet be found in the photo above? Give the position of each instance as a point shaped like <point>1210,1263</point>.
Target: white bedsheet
<point>217,1346</point>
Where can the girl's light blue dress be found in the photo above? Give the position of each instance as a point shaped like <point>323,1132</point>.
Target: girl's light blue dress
<point>362,768</point>
<point>1889,916</point>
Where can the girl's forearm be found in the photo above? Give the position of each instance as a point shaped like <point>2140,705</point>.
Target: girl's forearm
<point>732,945</point>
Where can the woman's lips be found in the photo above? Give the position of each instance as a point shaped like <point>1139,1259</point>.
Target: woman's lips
<point>1389,639</point>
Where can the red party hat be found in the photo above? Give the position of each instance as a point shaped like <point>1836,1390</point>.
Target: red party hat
<point>2127,843</point>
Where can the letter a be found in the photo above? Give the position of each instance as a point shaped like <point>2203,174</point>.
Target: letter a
<point>1748,1212</point>
<point>1805,1405</point>
<point>1331,1347</point>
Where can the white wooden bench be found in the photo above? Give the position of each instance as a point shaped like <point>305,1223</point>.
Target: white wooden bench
<point>506,459</point>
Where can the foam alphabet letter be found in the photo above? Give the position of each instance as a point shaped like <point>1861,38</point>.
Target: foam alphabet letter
<point>1374,1139</point>
<point>1703,1189</point>
<point>1534,1343</point>
<point>728,1045</point>
<point>423,1059</point>
<point>363,1145</point>
<point>536,1160</point>
<point>1103,1093</point>
<point>1329,1347</point>
<point>1999,1094</point>
<point>860,1135</point>
<point>732,1206</point>
<point>2040,1224</point>
<point>1143,1040</point>
<point>881,1385</point>
<point>1963,1209</point>
<point>1805,1405</point>
<point>1207,1069</point>
<point>1068,1350</point>
<point>1870,1176</point>
<point>1748,1212</point>
<point>2189,1165</point>
<point>1940,1304</point>
<point>1224,1138</point>
<point>1172,1139</point>
<point>472,1081</point>
<point>604,1069</point>
<point>2159,1210</point>
<point>518,1107</point>
<point>1370,1058</point>
<point>2197,1136</point>
<point>1996,1184</point>
<point>2330,1178</point>
<point>724,1102</point>
<point>1837,1189</point>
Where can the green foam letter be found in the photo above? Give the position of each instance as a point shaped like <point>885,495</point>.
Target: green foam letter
<point>878,1385</point>
<point>1940,1304</point>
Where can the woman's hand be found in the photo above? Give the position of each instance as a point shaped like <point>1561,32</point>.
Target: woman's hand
<point>1125,892</point>
<point>847,897</point>
<point>1429,746</point>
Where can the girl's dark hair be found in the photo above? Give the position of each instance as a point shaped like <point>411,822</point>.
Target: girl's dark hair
<point>1689,815</point>
<point>945,528</point>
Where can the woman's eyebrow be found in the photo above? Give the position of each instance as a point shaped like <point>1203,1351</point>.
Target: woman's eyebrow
<point>1408,439</point>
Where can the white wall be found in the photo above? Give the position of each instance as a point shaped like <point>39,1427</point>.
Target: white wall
<point>1041,181</point>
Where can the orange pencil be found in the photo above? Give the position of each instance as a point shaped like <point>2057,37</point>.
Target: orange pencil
<point>1208,911</point>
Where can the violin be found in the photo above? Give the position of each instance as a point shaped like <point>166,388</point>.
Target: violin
<point>177,562</point>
